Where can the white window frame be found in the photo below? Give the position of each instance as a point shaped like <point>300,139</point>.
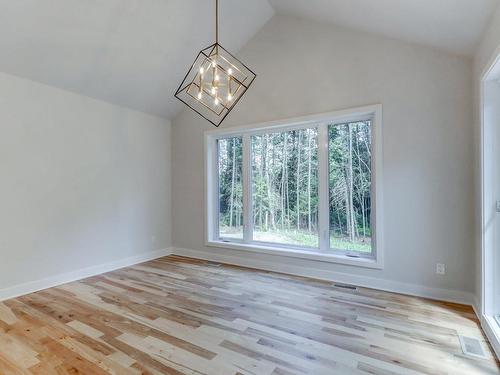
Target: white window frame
<point>321,122</point>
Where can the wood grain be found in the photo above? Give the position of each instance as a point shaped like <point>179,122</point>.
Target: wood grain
<point>184,316</point>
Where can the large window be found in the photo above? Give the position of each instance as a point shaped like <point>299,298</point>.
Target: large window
<point>307,187</point>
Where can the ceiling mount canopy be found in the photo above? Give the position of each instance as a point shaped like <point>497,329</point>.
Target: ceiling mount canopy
<point>215,82</point>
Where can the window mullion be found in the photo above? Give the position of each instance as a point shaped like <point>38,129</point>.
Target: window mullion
<point>215,187</point>
<point>323,207</point>
<point>247,189</point>
<point>211,179</point>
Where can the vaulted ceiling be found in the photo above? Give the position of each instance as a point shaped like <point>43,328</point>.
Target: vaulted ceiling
<point>451,25</point>
<point>135,52</point>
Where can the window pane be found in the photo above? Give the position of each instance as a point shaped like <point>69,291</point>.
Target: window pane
<point>285,187</point>
<point>230,167</point>
<point>350,179</point>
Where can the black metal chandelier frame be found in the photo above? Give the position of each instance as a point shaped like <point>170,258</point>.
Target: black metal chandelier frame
<point>214,61</point>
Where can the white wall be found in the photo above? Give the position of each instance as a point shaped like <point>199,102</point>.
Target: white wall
<point>489,46</point>
<point>305,67</point>
<point>82,183</point>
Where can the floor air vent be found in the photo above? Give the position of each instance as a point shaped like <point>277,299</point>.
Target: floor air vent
<point>472,346</point>
<point>344,286</point>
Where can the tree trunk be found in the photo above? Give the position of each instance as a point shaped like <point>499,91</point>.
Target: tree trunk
<point>350,187</point>
<point>232,185</point>
<point>361,190</point>
<point>269,194</point>
<point>297,186</point>
<point>262,164</point>
<point>347,210</point>
<point>283,181</point>
<point>309,167</point>
<point>287,193</point>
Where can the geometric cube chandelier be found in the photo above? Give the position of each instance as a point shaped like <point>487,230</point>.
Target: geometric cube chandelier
<point>215,82</point>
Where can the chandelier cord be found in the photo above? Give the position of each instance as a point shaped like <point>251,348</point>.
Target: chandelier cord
<point>217,21</point>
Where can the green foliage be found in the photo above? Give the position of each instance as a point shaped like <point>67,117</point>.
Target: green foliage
<point>230,162</point>
<point>305,239</point>
<point>349,155</point>
<point>284,173</point>
<point>284,181</point>
<point>361,245</point>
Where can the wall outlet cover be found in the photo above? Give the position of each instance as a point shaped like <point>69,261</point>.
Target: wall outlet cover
<point>440,269</point>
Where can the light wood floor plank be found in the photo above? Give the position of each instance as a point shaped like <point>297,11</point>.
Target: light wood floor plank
<point>185,316</point>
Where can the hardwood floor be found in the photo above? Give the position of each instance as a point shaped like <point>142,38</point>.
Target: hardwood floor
<point>183,316</point>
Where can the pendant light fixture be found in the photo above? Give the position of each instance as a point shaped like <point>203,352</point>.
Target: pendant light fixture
<point>215,82</point>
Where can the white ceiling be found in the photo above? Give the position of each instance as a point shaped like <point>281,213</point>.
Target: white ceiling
<point>452,25</point>
<point>135,52</point>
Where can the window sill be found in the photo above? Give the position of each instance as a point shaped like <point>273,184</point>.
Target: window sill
<point>299,253</point>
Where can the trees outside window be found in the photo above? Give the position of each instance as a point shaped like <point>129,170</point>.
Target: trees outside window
<point>349,182</point>
<point>230,183</point>
<point>307,186</point>
<point>285,187</point>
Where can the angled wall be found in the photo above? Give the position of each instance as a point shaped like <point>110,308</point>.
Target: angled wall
<point>85,186</point>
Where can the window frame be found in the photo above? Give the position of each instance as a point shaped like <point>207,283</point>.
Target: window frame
<point>321,122</point>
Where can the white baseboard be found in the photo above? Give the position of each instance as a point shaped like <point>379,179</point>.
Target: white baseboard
<point>49,282</point>
<point>476,306</point>
<point>363,281</point>
<point>448,295</point>
<point>491,333</point>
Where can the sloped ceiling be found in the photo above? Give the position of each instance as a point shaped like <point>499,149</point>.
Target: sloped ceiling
<point>452,25</point>
<point>133,53</point>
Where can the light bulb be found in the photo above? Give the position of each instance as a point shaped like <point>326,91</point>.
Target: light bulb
<point>213,90</point>
<point>216,101</point>
<point>217,77</point>
<point>230,71</point>
<point>229,97</point>
<point>202,70</point>
<point>199,95</point>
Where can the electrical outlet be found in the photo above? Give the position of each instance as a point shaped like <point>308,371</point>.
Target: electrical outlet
<point>440,269</point>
